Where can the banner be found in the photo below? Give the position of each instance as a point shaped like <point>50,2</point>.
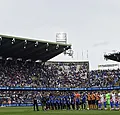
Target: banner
<point>57,89</point>
<point>18,105</point>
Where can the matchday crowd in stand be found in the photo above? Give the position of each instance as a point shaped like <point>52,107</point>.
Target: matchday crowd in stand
<point>53,75</point>
<point>104,78</point>
<point>19,74</point>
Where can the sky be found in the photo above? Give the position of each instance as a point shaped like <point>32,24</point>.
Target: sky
<point>91,25</point>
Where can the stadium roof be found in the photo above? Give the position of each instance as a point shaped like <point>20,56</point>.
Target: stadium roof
<point>17,47</point>
<point>113,56</point>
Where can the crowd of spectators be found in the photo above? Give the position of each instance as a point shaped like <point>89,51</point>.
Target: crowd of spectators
<point>15,73</point>
<point>66,74</point>
<point>21,97</point>
<point>62,74</point>
<point>104,78</point>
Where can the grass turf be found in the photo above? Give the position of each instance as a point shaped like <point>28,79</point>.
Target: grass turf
<point>29,111</point>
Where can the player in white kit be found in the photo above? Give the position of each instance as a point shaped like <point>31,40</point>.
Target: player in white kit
<point>113,98</point>
<point>102,98</point>
<point>119,98</point>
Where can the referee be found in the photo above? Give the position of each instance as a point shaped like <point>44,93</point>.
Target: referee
<point>35,102</point>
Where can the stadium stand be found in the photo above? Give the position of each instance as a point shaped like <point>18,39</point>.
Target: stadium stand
<point>104,78</point>
<point>25,71</point>
<point>67,74</point>
<point>52,74</point>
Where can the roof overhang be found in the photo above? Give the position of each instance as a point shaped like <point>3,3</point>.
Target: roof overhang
<point>27,48</point>
<point>113,56</point>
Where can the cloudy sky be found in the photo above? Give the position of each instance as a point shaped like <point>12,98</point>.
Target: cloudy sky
<point>92,25</point>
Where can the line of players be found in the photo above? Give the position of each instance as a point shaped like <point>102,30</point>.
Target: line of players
<point>104,100</point>
<point>65,101</point>
<point>76,101</point>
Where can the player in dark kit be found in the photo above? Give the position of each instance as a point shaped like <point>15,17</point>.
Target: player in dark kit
<point>73,101</point>
<point>68,102</point>
<point>35,102</point>
<point>64,103</point>
<point>43,101</point>
<point>61,102</point>
<point>77,103</point>
<point>47,103</point>
<point>55,103</point>
<point>52,102</point>
<point>58,103</point>
<point>83,98</point>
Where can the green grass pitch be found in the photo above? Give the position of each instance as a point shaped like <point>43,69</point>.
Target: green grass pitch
<point>29,111</point>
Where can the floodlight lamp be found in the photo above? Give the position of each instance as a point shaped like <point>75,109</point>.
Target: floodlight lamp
<point>47,44</point>
<point>9,58</point>
<point>24,47</point>
<point>64,49</point>
<point>0,38</point>
<point>19,59</point>
<point>0,57</point>
<point>28,60</point>
<point>25,41</point>
<point>117,58</point>
<point>46,49</point>
<point>38,61</point>
<point>36,43</point>
<point>13,40</point>
<point>57,46</point>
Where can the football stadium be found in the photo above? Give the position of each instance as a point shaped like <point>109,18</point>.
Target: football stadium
<point>32,85</point>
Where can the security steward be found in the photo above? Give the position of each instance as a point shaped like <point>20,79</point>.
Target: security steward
<point>35,102</point>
